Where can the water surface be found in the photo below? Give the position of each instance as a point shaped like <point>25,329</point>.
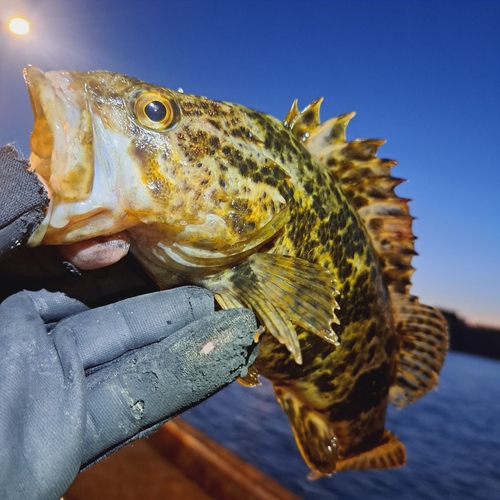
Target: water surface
<point>452,437</point>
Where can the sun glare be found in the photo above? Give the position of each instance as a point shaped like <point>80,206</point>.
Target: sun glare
<point>19,26</point>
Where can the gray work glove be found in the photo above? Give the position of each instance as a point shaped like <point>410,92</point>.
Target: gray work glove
<point>79,383</point>
<point>23,200</point>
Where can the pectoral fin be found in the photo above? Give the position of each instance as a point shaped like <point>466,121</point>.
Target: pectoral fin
<point>284,292</point>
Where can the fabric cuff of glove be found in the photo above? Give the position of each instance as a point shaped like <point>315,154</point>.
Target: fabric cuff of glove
<point>24,200</point>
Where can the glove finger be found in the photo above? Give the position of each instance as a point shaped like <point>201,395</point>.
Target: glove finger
<point>133,395</point>
<point>105,333</point>
<point>54,306</point>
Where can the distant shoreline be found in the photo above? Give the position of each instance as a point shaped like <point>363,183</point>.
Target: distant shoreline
<point>482,341</point>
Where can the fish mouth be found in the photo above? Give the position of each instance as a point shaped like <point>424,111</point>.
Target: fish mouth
<point>82,205</point>
<point>61,140</point>
<point>42,137</point>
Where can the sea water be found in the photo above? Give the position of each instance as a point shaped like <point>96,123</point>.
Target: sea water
<point>452,438</point>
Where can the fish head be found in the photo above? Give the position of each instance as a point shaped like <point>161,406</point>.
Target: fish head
<point>188,177</point>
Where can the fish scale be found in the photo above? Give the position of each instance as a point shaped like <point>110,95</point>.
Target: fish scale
<point>286,218</point>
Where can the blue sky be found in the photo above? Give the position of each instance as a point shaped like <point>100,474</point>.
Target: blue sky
<point>424,75</point>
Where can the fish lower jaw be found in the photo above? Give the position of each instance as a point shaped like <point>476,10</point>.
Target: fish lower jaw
<point>71,222</point>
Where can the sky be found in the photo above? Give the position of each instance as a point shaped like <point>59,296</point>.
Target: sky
<point>424,75</point>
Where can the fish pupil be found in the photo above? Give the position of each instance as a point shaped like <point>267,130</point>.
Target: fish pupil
<point>155,111</point>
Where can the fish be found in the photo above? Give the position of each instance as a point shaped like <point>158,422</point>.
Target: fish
<point>287,218</point>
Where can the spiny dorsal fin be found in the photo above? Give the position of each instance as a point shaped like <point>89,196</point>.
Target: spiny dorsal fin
<point>330,132</point>
<point>303,123</point>
<point>291,115</point>
<point>368,182</point>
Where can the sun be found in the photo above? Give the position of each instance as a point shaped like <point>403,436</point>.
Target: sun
<point>19,26</point>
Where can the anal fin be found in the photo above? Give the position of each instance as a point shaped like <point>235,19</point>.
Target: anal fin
<point>315,439</point>
<point>423,338</point>
<point>389,453</point>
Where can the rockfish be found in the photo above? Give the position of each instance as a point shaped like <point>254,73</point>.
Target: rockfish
<point>285,218</point>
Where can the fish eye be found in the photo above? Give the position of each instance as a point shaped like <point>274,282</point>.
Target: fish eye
<point>155,111</point>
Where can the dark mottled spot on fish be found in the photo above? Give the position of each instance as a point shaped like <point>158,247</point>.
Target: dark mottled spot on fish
<point>309,186</point>
<point>244,168</point>
<point>345,271</point>
<point>371,333</point>
<point>308,118</point>
<point>389,345</point>
<point>214,123</point>
<point>360,201</point>
<point>257,177</point>
<point>189,109</point>
<point>324,382</point>
<point>214,142</point>
<point>211,108</point>
<point>240,205</point>
<point>237,222</point>
<point>320,210</point>
<point>368,391</point>
<point>371,351</point>
<point>369,442</point>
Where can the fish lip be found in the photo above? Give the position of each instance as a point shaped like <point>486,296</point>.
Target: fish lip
<point>41,155</point>
<point>61,118</point>
<point>37,83</point>
<point>31,75</point>
<point>58,157</point>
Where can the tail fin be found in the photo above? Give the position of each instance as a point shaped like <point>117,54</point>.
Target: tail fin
<point>318,445</point>
<point>389,453</point>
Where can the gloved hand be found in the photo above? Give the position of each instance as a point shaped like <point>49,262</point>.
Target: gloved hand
<point>23,203</point>
<point>23,200</point>
<point>79,383</point>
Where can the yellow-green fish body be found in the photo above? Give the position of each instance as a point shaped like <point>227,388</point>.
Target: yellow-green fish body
<point>287,219</point>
